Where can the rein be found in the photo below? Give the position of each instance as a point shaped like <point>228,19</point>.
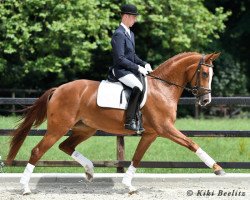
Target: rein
<point>171,83</point>
<point>194,90</point>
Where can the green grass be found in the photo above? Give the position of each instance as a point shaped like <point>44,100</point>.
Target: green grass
<point>183,123</point>
<point>104,148</point>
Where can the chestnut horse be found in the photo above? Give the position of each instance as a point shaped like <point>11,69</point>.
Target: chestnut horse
<point>73,106</point>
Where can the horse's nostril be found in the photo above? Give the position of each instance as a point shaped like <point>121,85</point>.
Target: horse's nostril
<point>205,101</point>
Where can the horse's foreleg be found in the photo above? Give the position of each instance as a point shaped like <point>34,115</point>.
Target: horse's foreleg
<point>178,137</point>
<point>145,142</point>
<point>79,134</point>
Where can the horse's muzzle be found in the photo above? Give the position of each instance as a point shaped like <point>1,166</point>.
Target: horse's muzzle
<point>205,99</point>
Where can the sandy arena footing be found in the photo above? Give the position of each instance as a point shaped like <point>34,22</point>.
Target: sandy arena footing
<point>109,187</point>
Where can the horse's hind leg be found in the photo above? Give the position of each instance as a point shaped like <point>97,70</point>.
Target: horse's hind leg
<point>80,133</point>
<point>178,137</point>
<point>53,134</point>
<point>38,151</point>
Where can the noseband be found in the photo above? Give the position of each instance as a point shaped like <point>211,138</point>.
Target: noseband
<point>197,88</point>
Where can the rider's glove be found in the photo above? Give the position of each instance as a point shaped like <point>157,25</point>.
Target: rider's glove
<point>148,67</point>
<point>142,70</point>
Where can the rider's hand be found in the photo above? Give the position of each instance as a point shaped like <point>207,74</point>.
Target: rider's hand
<point>148,67</point>
<point>142,70</point>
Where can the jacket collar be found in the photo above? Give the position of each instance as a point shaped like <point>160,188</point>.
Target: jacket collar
<point>126,29</point>
<point>131,38</point>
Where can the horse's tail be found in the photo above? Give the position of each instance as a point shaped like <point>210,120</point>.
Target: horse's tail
<point>34,115</point>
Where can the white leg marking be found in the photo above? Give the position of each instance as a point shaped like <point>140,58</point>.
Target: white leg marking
<point>210,82</point>
<point>128,176</point>
<point>205,157</point>
<point>86,163</point>
<point>26,178</point>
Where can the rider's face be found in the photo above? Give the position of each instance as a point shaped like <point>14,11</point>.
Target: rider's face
<point>132,20</point>
<point>129,20</point>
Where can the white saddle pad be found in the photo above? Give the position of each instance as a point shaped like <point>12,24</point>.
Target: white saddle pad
<point>113,95</point>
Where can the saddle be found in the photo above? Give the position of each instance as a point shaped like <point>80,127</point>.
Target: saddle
<point>113,94</point>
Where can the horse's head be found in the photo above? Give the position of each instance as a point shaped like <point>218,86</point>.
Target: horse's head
<point>200,77</point>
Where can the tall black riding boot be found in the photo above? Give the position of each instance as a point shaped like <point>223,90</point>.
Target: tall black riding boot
<point>140,122</point>
<point>130,121</point>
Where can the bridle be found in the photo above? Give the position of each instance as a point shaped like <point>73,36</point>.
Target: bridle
<point>195,90</point>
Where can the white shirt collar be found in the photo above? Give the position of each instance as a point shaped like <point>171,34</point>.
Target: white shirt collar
<point>126,28</point>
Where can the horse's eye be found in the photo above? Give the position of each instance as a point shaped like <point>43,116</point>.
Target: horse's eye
<point>204,74</point>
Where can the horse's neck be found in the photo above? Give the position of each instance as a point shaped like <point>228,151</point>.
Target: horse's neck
<point>169,92</point>
<point>172,72</point>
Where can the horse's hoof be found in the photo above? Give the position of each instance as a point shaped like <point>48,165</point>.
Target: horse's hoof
<point>132,190</point>
<point>126,182</point>
<point>220,172</point>
<point>89,171</point>
<point>89,176</point>
<point>26,191</point>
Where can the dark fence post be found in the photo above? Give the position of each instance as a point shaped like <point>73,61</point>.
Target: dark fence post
<point>13,95</point>
<point>120,152</point>
<point>197,111</point>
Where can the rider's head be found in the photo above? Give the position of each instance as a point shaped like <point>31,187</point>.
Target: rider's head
<point>129,14</point>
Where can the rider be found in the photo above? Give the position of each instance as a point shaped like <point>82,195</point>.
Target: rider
<point>127,65</point>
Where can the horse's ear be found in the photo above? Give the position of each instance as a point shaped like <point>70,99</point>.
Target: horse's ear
<point>212,56</point>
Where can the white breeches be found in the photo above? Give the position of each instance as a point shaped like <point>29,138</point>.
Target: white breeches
<point>131,81</point>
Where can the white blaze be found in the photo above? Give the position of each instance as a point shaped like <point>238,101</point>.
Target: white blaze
<point>210,82</point>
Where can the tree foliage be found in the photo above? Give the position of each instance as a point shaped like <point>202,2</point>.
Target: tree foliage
<point>232,75</point>
<point>50,37</point>
<point>44,43</point>
<point>171,27</point>
<point>229,79</point>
